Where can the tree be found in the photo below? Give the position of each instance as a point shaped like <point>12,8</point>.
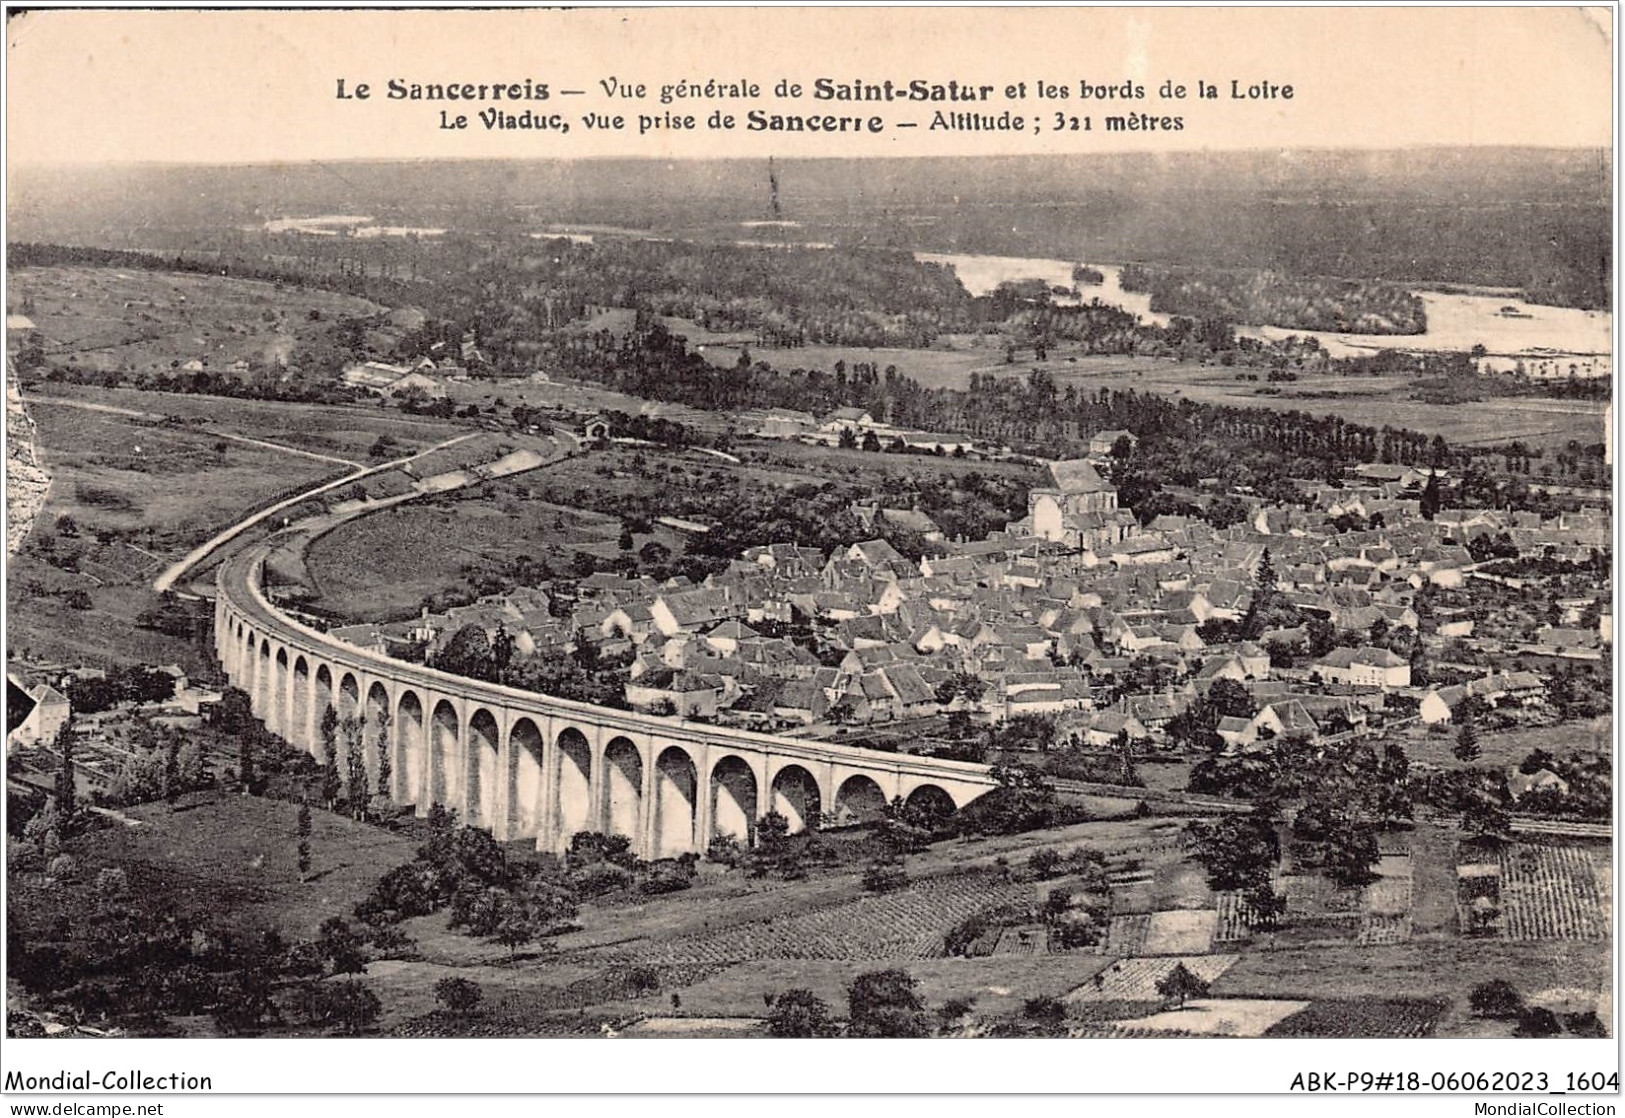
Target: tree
<point>172,769</point>
<point>1227,510</point>
<point>1349,852</point>
<point>67,788</point>
<point>1496,998</point>
<point>1431,499</point>
<point>460,996</point>
<point>384,763</point>
<point>1045,863</point>
<point>244,1002</point>
<point>1485,816</point>
<point>799,1013</point>
<point>1266,578</point>
<point>332,783</point>
<point>340,947</point>
<point>304,841</point>
<point>356,791</point>
<point>1229,699</point>
<point>884,1004</point>
<point>1236,850</point>
<point>468,653</point>
<point>346,1004</point>
<point>1182,984</point>
<point>1537,1021</point>
<point>1466,749</point>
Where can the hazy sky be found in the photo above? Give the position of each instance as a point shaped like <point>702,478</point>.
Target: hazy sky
<point>252,86</point>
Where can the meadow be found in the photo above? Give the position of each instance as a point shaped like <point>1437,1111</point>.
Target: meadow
<point>105,318</point>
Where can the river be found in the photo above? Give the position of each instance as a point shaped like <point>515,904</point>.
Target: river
<point>1455,322</point>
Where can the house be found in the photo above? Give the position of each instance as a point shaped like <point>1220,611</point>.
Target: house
<point>1521,688</point>
<point>35,713</point>
<point>802,702</point>
<point>1107,724</point>
<point>685,694</point>
<point>1102,442</point>
<point>1365,667</point>
<point>1285,720</point>
<point>596,429</point>
<point>1520,784</point>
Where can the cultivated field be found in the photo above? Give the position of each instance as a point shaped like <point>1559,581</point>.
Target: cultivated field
<point>994,986</point>
<point>1552,892</point>
<point>907,924</point>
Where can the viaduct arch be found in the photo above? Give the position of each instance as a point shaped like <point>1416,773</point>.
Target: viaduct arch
<point>527,766</point>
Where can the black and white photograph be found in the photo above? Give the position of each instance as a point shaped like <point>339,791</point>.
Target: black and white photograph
<point>1085,524</point>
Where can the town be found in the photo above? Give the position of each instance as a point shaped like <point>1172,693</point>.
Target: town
<point>423,628</point>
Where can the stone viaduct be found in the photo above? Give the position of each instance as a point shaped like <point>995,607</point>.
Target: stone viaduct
<point>525,765</point>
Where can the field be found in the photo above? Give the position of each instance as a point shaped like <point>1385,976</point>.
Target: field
<point>1366,1017</point>
<point>163,487</point>
<point>1374,401</point>
<point>1135,980</point>
<point>1233,1017</point>
<point>1555,892</point>
<point>425,547</point>
<point>107,318</point>
<point>1430,970</point>
<point>382,566</point>
<point>995,986</point>
<point>340,432</point>
<point>1501,748</point>
<point>907,924</point>
<point>219,856</point>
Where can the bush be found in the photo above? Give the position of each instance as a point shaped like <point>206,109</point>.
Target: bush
<point>1044,1009</point>
<point>459,995</point>
<point>641,981</point>
<point>963,936</point>
<point>346,1005</point>
<point>884,877</point>
<point>885,1004</point>
<point>1045,864</point>
<point>799,1013</point>
<point>599,878</point>
<point>670,876</point>
<point>1537,1022</point>
<point>1496,998</point>
<point>725,850</point>
<point>63,866</point>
